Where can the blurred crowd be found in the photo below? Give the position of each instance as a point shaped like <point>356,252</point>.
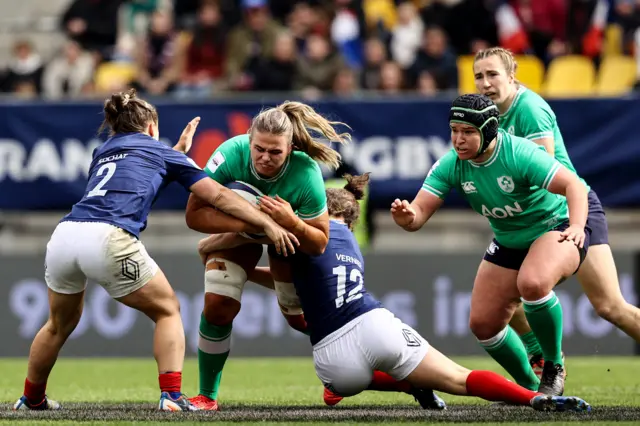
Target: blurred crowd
<point>200,48</point>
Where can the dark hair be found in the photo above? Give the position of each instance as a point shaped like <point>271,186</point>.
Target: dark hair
<point>344,201</point>
<point>126,113</point>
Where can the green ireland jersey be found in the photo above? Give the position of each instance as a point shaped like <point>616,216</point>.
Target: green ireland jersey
<point>300,181</point>
<point>531,117</point>
<point>509,188</point>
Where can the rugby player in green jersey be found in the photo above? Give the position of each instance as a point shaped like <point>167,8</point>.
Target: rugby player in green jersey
<point>278,157</point>
<point>524,113</point>
<point>537,209</point>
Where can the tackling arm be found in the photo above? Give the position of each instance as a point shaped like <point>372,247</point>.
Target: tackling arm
<point>312,234</point>
<point>203,217</point>
<point>210,220</point>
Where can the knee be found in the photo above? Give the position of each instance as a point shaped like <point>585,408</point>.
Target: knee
<point>220,310</point>
<point>610,310</point>
<point>483,329</point>
<point>533,286</point>
<point>63,327</point>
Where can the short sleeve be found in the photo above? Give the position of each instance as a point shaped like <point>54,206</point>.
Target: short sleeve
<point>534,165</point>
<point>220,163</point>
<point>438,181</point>
<point>181,168</point>
<point>536,122</point>
<point>314,200</point>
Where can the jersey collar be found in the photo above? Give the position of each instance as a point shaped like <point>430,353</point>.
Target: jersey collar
<point>520,91</point>
<point>494,155</point>
<point>276,177</point>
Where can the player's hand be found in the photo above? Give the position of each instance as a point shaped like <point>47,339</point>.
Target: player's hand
<point>282,239</point>
<point>402,212</point>
<point>573,233</point>
<point>186,138</point>
<point>279,210</point>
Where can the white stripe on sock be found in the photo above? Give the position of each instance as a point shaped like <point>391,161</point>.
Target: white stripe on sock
<point>218,347</point>
<point>545,299</point>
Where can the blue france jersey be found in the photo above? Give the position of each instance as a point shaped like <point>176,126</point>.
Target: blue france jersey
<point>331,286</point>
<point>125,177</point>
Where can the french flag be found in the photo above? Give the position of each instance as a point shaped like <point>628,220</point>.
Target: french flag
<point>593,39</point>
<point>510,32</point>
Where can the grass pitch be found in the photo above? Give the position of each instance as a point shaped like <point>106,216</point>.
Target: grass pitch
<point>286,391</point>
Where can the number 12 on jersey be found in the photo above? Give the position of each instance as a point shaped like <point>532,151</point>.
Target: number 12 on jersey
<point>355,281</point>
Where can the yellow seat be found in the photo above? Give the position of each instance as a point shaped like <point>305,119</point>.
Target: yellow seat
<point>530,71</point>
<point>612,41</point>
<point>466,80</point>
<point>570,76</point>
<point>617,76</point>
<point>112,76</point>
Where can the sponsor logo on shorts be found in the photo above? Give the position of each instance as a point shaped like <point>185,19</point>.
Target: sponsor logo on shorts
<point>130,269</point>
<point>493,248</point>
<point>411,338</point>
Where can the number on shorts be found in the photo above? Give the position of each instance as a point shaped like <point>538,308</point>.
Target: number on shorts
<point>110,169</point>
<point>355,277</point>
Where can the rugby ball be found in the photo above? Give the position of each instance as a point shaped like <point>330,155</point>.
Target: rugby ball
<point>249,193</point>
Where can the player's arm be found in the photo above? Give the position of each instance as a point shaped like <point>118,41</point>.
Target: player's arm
<point>567,183</point>
<point>202,217</point>
<point>262,275</point>
<point>412,216</point>
<point>541,170</point>
<point>312,233</point>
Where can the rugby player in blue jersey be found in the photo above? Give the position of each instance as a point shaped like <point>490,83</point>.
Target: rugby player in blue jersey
<point>99,241</point>
<point>357,342</point>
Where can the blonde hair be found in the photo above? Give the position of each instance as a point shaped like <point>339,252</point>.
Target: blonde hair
<point>505,55</point>
<point>295,119</point>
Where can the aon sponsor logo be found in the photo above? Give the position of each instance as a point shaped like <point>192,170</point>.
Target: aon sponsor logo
<point>502,212</point>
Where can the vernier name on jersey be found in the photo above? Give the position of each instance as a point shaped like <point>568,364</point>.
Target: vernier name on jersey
<point>112,158</point>
<point>345,258</point>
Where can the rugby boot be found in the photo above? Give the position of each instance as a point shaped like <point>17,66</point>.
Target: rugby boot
<point>560,403</point>
<point>46,404</point>
<point>552,380</point>
<point>204,403</point>
<point>428,399</point>
<point>167,403</point>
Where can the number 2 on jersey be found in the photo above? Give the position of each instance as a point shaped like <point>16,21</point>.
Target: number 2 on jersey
<point>355,277</point>
<point>110,169</point>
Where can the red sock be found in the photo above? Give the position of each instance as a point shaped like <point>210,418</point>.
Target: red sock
<point>34,392</point>
<point>493,387</point>
<point>384,382</point>
<point>170,382</point>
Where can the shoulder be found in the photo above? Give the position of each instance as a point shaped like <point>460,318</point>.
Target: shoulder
<point>300,161</point>
<point>240,143</point>
<point>532,102</point>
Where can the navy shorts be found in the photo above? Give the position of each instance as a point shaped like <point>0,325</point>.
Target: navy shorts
<point>513,258</point>
<point>597,221</point>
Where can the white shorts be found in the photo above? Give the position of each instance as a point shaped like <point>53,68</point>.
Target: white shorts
<point>103,253</point>
<point>345,359</point>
